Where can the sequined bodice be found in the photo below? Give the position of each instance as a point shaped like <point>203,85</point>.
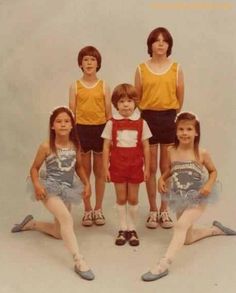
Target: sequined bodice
<point>61,167</point>
<point>186,176</point>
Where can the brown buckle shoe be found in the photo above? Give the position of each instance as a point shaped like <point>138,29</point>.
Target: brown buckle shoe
<point>132,237</point>
<point>121,238</point>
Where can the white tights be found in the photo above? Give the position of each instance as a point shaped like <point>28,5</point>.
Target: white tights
<point>62,228</point>
<point>184,233</point>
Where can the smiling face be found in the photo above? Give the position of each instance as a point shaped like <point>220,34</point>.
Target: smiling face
<point>89,65</point>
<point>126,106</point>
<point>62,124</point>
<point>186,132</point>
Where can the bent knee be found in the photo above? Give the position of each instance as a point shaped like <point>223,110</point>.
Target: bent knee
<point>57,235</point>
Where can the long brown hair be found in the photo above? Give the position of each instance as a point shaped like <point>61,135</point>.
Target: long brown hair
<point>187,116</point>
<point>73,136</point>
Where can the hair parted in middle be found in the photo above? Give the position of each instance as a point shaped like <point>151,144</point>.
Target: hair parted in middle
<point>153,36</point>
<point>90,51</point>
<point>52,135</point>
<point>187,116</point>
<point>124,90</point>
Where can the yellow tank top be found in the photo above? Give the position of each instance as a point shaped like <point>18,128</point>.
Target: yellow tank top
<point>90,103</point>
<point>158,89</point>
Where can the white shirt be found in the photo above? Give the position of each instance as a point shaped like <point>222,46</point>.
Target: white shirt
<point>126,138</point>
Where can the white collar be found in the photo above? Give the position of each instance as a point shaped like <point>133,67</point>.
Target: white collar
<point>135,116</point>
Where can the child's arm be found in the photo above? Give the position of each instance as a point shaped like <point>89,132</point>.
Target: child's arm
<point>162,180</point>
<point>138,84</point>
<point>72,98</point>
<point>105,157</point>
<point>208,163</point>
<point>108,102</point>
<point>180,88</point>
<point>146,153</point>
<point>40,157</point>
<point>82,175</point>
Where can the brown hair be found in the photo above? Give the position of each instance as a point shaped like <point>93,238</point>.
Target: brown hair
<point>189,117</point>
<point>73,137</point>
<point>90,51</point>
<point>124,90</point>
<point>153,36</point>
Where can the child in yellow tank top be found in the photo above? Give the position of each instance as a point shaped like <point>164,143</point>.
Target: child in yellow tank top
<point>89,99</point>
<point>160,84</point>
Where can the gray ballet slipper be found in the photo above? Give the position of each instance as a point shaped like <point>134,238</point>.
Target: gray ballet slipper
<point>226,230</point>
<point>149,276</point>
<point>19,227</point>
<point>86,275</point>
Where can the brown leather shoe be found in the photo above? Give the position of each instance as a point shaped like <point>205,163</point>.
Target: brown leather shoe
<point>121,238</point>
<point>133,238</point>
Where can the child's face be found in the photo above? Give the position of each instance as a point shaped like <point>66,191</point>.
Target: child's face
<point>186,132</point>
<point>126,106</point>
<point>62,124</point>
<point>160,47</point>
<point>89,65</point>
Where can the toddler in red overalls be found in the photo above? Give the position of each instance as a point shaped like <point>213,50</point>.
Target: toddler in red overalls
<point>126,158</point>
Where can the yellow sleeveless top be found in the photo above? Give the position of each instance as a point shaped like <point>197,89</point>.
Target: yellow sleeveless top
<point>158,89</point>
<point>90,103</point>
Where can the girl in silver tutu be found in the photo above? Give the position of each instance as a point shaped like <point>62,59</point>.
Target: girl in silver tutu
<point>187,190</point>
<point>59,187</point>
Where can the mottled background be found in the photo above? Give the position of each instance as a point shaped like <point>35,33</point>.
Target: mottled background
<point>39,45</point>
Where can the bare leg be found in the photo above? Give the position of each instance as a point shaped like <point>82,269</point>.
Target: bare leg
<point>86,162</point>
<point>151,183</point>
<point>163,167</point>
<point>99,179</point>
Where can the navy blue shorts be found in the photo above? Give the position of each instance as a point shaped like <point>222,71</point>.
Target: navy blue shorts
<point>161,124</point>
<point>90,137</point>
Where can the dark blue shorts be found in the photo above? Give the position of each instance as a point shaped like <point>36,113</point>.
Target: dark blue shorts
<point>90,137</point>
<point>161,124</point>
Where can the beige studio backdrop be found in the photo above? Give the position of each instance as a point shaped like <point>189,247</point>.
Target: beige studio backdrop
<point>40,41</point>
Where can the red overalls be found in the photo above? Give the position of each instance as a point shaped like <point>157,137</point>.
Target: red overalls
<point>126,163</point>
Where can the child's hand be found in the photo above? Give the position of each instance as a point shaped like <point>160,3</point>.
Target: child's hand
<point>40,192</point>
<point>146,175</point>
<point>161,185</point>
<point>87,191</point>
<point>107,176</point>
<point>205,190</point>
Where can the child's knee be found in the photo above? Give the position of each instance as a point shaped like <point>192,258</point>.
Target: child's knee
<point>132,201</point>
<point>66,219</point>
<point>121,201</point>
<point>180,226</point>
<point>57,235</point>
